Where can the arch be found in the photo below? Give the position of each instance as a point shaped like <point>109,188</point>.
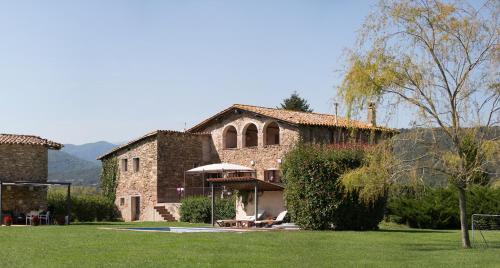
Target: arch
<point>272,134</point>
<point>250,135</point>
<point>230,138</point>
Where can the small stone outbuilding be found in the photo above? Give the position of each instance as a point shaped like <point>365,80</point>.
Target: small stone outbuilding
<point>24,158</point>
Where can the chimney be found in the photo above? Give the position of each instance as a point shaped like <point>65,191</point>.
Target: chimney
<point>372,114</point>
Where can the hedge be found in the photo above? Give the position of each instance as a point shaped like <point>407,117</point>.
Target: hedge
<point>315,197</point>
<point>437,208</point>
<point>84,207</point>
<point>199,209</point>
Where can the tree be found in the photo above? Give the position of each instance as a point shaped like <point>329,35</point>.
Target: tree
<point>296,103</point>
<point>442,59</point>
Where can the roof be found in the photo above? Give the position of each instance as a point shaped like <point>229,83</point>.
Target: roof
<point>221,167</point>
<point>293,117</point>
<point>150,134</point>
<point>28,140</point>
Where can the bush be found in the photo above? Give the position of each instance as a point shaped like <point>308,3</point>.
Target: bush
<point>199,209</point>
<point>437,208</point>
<point>84,207</point>
<point>315,197</point>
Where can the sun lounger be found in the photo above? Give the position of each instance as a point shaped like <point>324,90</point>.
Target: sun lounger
<point>227,223</point>
<point>268,223</point>
<point>247,221</point>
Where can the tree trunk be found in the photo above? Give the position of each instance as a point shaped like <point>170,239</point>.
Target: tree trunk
<point>463,218</point>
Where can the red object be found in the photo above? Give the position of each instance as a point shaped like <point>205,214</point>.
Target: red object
<point>7,220</point>
<point>35,221</point>
<point>60,220</point>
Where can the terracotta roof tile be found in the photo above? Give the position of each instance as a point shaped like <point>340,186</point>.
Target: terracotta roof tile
<point>295,117</point>
<point>28,140</point>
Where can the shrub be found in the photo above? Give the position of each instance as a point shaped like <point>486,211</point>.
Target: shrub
<point>315,197</point>
<point>437,208</point>
<point>199,209</point>
<point>84,207</point>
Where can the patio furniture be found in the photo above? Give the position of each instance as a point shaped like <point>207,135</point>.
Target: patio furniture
<point>268,223</point>
<point>227,223</point>
<point>31,215</point>
<point>247,221</point>
<point>44,216</point>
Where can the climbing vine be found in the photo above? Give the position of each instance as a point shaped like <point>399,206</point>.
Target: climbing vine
<point>109,177</point>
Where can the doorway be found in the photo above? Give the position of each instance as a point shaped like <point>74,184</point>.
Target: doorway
<point>136,208</point>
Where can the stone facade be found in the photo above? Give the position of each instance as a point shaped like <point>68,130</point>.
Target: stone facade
<point>141,183</point>
<point>261,157</point>
<point>21,162</point>
<point>155,169</point>
<point>236,136</point>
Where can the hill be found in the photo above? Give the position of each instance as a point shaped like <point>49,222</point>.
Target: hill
<point>77,163</point>
<point>66,167</point>
<point>88,151</point>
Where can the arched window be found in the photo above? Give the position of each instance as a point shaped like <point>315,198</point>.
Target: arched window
<point>230,138</point>
<point>272,134</point>
<point>250,136</point>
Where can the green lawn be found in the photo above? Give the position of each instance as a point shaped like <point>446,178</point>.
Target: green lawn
<point>89,246</point>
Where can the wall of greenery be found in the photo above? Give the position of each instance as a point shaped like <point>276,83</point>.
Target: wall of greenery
<point>315,196</point>
<point>437,208</point>
<point>199,209</point>
<point>109,177</point>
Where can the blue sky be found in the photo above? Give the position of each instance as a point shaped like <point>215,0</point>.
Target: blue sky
<point>84,71</point>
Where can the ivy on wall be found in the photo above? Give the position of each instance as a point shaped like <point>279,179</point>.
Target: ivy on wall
<point>109,177</point>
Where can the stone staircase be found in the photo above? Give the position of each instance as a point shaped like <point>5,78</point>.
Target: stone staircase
<point>165,214</point>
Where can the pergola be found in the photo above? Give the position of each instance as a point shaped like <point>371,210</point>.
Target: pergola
<point>34,184</point>
<point>237,183</point>
<point>243,183</point>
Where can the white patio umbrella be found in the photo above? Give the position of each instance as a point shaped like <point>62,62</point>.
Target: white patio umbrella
<point>218,168</point>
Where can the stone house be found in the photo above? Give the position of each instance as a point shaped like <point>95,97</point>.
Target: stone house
<point>23,158</point>
<point>152,168</point>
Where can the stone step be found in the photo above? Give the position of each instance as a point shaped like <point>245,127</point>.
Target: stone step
<point>164,213</point>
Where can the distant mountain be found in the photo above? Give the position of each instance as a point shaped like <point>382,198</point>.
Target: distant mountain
<point>77,163</point>
<point>88,151</point>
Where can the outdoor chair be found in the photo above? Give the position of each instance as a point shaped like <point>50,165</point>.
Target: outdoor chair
<point>44,216</point>
<point>30,215</point>
<point>249,220</point>
<point>268,223</point>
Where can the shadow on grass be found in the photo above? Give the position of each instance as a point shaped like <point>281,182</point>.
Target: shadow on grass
<point>98,223</point>
<point>415,231</point>
<point>432,247</point>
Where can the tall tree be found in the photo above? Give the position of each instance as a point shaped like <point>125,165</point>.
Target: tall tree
<point>441,58</point>
<point>296,103</point>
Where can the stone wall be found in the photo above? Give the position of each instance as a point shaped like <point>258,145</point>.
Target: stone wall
<point>23,162</point>
<point>19,162</point>
<point>24,199</point>
<point>178,152</point>
<point>141,183</point>
<point>260,157</point>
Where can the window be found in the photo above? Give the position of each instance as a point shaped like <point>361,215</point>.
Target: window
<point>272,134</point>
<point>122,201</point>
<point>135,164</point>
<point>124,164</point>
<point>250,136</point>
<point>230,138</point>
<point>272,175</point>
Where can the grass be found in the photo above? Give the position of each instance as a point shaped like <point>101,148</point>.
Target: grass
<point>86,245</point>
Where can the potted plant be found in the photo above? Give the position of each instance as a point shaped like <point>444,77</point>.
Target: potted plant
<point>60,220</point>
<point>7,220</point>
<point>35,221</point>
